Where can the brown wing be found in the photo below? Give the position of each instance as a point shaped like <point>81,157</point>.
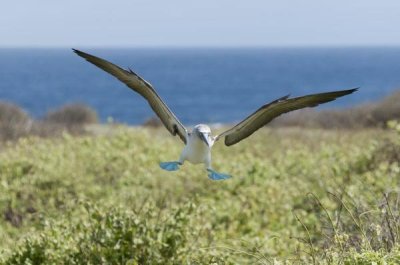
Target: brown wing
<point>141,86</point>
<point>272,110</point>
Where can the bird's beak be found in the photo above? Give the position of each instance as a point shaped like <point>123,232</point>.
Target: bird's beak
<point>205,139</point>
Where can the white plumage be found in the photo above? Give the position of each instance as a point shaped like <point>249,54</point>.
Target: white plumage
<point>198,149</point>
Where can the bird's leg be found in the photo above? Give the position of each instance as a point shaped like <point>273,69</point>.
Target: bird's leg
<point>213,174</point>
<point>170,166</point>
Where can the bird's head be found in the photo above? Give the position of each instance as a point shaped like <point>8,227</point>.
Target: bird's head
<point>203,132</point>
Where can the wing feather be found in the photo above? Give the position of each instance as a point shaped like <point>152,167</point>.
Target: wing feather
<point>269,111</point>
<point>144,88</point>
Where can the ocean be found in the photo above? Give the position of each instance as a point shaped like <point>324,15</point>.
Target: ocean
<point>200,85</point>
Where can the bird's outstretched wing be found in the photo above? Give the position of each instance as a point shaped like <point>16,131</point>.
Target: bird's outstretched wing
<point>272,110</point>
<point>144,88</point>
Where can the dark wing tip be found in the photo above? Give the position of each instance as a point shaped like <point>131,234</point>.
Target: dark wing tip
<point>81,53</point>
<point>349,91</point>
<point>342,93</point>
<point>77,51</point>
<point>327,97</point>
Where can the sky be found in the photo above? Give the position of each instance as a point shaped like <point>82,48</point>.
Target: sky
<point>205,23</point>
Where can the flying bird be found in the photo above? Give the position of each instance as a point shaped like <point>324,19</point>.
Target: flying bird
<point>199,141</point>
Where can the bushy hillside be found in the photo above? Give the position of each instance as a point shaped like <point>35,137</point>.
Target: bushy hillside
<point>297,196</point>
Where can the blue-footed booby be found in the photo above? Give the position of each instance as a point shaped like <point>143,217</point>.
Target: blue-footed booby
<point>199,141</point>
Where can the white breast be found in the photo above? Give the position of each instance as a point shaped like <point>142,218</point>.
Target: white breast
<point>196,151</point>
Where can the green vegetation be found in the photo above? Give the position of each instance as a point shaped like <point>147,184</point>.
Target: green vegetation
<point>297,197</point>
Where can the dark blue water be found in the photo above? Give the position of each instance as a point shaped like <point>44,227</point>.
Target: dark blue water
<point>225,84</point>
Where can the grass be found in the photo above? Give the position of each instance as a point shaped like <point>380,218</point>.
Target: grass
<point>298,196</point>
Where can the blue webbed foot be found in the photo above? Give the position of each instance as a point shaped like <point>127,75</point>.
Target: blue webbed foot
<point>217,176</point>
<point>170,166</point>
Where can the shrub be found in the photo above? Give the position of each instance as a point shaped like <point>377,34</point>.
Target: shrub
<point>14,122</point>
<point>72,114</point>
<point>153,122</point>
<point>386,109</point>
<point>10,113</point>
<point>114,236</point>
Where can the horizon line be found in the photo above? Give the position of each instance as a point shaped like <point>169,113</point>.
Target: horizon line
<point>95,46</point>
